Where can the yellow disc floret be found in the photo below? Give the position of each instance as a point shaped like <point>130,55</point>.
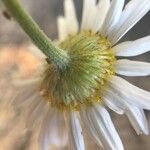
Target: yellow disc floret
<point>83,80</point>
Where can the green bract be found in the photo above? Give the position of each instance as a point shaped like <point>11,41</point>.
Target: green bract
<point>85,76</point>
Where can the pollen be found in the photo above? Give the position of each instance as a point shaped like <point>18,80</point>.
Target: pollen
<point>82,82</point>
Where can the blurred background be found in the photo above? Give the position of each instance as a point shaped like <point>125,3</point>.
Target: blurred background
<point>15,58</point>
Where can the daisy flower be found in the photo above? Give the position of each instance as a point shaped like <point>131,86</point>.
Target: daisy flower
<point>66,100</point>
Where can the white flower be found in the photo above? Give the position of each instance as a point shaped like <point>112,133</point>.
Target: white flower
<point>110,20</point>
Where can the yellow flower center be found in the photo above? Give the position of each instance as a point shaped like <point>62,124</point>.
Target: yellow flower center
<point>84,79</point>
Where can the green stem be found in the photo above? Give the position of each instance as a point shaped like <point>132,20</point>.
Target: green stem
<point>56,55</point>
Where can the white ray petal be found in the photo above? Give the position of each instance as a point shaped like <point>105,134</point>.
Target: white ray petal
<point>135,115</point>
<point>53,130</point>
<point>101,12</point>
<point>70,15</point>
<point>133,48</point>
<point>37,114</point>
<point>62,28</point>
<point>137,119</point>
<point>132,68</point>
<point>24,94</point>
<point>112,17</point>
<point>31,105</point>
<point>101,121</point>
<point>111,101</point>
<point>132,13</point>
<point>76,138</point>
<point>90,128</point>
<point>31,102</point>
<point>43,137</point>
<point>88,14</point>
<point>132,94</point>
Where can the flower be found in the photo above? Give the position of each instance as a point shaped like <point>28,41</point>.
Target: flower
<point>64,101</point>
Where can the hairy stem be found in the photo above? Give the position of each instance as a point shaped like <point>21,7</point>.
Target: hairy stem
<point>56,55</point>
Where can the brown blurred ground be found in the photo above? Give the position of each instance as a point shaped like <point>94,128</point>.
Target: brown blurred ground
<point>45,13</point>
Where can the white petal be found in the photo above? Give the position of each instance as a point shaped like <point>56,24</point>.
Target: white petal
<point>101,122</point>
<point>43,137</point>
<point>37,114</point>
<point>88,14</point>
<point>89,127</point>
<point>21,97</point>
<point>112,17</point>
<point>132,94</point>
<point>135,115</point>
<point>31,102</point>
<point>31,105</point>
<point>76,138</point>
<point>132,13</point>
<point>62,28</point>
<point>111,101</point>
<point>70,15</point>
<point>137,119</point>
<point>134,48</point>
<point>132,68</point>
<point>53,130</point>
<point>101,12</point>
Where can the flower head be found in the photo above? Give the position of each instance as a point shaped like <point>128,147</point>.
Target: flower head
<point>84,78</point>
<point>66,99</point>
